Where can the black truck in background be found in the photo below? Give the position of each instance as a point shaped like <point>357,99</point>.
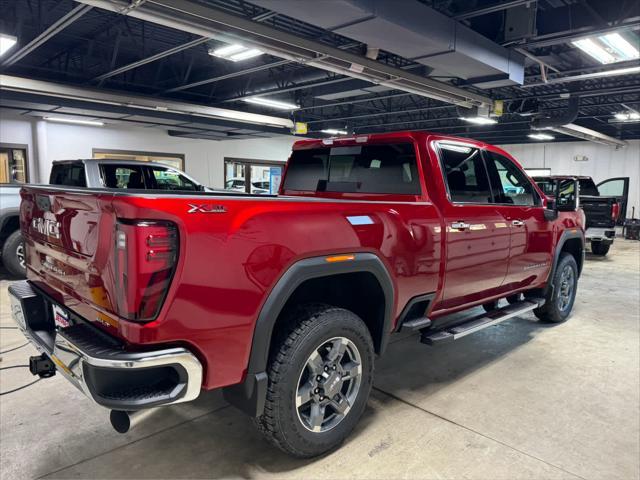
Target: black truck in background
<point>604,205</point>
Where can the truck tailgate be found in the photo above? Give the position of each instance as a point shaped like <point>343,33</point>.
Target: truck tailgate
<point>69,235</point>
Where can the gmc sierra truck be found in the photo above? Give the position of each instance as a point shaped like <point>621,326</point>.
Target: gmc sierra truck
<point>601,212</point>
<point>142,299</point>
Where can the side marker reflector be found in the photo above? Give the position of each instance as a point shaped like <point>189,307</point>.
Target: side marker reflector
<point>340,258</point>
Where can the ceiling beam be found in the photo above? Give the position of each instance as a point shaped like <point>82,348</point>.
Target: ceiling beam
<point>567,36</point>
<point>144,104</point>
<point>219,78</point>
<point>152,58</point>
<point>491,9</point>
<point>53,30</point>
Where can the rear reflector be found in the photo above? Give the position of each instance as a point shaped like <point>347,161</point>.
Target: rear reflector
<point>145,259</point>
<point>615,211</point>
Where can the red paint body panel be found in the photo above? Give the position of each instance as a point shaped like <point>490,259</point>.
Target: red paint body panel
<point>228,263</point>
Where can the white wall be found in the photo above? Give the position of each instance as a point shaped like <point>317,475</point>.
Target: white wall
<point>603,162</point>
<point>204,159</point>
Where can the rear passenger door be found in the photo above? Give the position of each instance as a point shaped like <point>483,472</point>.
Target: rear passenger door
<point>521,206</point>
<point>477,235</point>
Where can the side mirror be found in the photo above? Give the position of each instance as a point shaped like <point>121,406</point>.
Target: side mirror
<point>567,195</point>
<point>551,212</point>
<point>565,198</point>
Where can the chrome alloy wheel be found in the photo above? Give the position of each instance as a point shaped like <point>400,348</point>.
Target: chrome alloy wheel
<point>566,288</point>
<point>328,384</point>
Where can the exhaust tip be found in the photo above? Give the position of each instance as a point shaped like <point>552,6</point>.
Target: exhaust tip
<point>120,421</point>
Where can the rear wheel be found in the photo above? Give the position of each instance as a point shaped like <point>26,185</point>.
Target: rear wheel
<point>560,299</point>
<point>13,255</point>
<point>599,248</point>
<point>320,376</point>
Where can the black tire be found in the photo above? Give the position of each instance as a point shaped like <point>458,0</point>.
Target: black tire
<point>599,248</point>
<point>511,299</point>
<point>307,330</point>
<point>557,309</point>
<point>13,255</point>
<point>490,306</point>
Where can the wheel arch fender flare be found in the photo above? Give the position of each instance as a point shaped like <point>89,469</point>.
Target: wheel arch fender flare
<point>564,237</point>
<point>249,395</point>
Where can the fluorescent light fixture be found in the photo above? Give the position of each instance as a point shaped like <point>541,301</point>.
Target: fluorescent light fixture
<point>334,131</point>
<point>6,42</point>
<point>541,136</point>
<point>235,52</point>
<point>74,121</point>
<point>479,120</point>
<point>271,103</point>
<point>454,148</point>
<point>619,45</point>
<point>610,48</point>
<point>246,54</point>
<point>594,50</point>
<point>628,116</point>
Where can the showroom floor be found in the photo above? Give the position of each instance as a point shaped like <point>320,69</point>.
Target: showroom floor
<point>519,400</point>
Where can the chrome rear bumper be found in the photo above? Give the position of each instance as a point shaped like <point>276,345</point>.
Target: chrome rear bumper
<point>99,365</point>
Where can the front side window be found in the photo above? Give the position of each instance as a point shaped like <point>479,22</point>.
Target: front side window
<point>464,174</point>
<point>167,179</point>
<point>508,183</point>
<point>388,168</point>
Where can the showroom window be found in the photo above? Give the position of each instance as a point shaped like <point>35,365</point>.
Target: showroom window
<point>257,177</point>
<point>389,168</point>
<point>13,163</point>
<point>174,160</point>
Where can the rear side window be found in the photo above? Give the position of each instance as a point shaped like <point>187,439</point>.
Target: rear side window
<point>68,174</point>
<point>121,176</point>
<point>465,174</point>
<point>389,168</point>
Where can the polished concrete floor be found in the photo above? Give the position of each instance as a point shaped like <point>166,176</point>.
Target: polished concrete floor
<point>518,400</point>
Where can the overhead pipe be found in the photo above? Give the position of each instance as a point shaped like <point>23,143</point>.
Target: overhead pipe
<point>205,21</point>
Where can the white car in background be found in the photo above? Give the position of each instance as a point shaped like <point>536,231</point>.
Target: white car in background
<point>259,187</point>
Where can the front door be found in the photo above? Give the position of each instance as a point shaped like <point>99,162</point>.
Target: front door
<point>477,234</point>
<point>531,235</point>
<point>617,187</point>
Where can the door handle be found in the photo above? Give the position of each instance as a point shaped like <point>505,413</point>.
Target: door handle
<point>460,225</point>
<point>517,223</point>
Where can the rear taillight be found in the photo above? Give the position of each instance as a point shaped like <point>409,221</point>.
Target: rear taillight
<point>615,211</point>
<point>145,258</point>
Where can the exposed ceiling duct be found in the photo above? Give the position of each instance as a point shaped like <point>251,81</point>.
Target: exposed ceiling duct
<point>414,31</point>
<point>203,20</point>
<point>563,123</point>
<point>95,96</point>
<point>563,118</point>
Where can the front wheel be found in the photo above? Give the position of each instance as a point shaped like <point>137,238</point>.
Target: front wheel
<point>560,299</point>
<point>320,377</point>
<point>599,248</point>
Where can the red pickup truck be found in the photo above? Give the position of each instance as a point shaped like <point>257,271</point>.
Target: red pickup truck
<point>143,299</point>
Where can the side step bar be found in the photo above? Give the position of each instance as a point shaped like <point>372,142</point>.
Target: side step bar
<point>480,323</point>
